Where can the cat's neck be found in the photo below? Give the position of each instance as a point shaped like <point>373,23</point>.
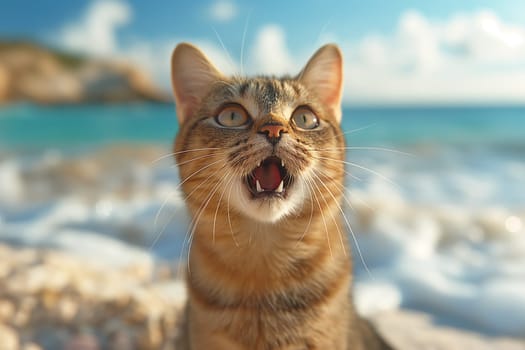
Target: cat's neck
<point>259,253</point>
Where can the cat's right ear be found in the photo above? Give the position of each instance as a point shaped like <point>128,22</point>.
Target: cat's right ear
<point>192,76</point>
<point>323,74</point>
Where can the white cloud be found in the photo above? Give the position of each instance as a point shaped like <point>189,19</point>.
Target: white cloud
<point>155,57</point>
<point>95,32</point>
<point>475,58</point>
<point>270,54</point>
<point>467,58</point>
<point>223,11</point>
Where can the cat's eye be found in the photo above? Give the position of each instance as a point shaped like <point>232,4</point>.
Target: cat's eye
<point>304,118</point>
<point>233,116</point>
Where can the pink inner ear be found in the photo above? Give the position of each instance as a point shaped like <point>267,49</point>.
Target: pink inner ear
<point>186,107</point>
<point>329,92</point>
<point>192,74</point>
<point>323,75</point>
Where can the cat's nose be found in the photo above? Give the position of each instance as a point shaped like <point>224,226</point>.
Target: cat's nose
<point>273,131</point>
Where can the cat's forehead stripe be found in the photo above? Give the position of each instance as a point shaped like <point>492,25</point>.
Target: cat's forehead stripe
<point>243,87</point>
<point>267,93</point>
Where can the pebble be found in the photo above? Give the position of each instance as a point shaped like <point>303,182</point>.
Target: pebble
<point>30,346</point>
<point>52,300</point>
<point>7,310</point>
<point>9,338</point>
<point>83,342</point>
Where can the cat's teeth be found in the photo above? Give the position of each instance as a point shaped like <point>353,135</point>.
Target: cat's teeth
<point>280,188</point>
<point>258,164</point>
<point>282,163</point>
<point>258,186</point>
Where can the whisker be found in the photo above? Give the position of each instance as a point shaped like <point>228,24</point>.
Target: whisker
<point>214,190</point>
<point>177,188</point>
<point>209,155</point>
<point>310,189</point>
<point>165,226</point>
<point>321,32</point>
<point>231,177</point>
<point>314,173</point>
<point>324,222</point>
<point>360,199</point>
<point>229,217</point>
<point>369,149</point>
<point>355,177</point>
<point>234,68</point>
<point>188,238</point>
<point>199,171</point>
<point>335,167</point>
<point>354,237</point>
<point>362,168</point>
<point>169,155</point>
<point>342,188</point>
<point>161,232</point>
<point>157,216</point>
<point>197,219</point>
<point>243,40</point>
<point>359,129</point>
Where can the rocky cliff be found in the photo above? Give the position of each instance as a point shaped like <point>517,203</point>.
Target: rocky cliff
<point>34,73</point>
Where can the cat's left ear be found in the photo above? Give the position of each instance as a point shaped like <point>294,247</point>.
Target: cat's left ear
<point>323,75</point>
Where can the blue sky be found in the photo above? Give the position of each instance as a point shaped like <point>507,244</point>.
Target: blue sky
<point>396,52</point>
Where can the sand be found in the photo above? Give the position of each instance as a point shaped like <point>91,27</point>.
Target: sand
<point>412,330</point>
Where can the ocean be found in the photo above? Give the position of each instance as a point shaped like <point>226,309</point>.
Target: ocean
<point>26,126</point>
<point>435,198</point>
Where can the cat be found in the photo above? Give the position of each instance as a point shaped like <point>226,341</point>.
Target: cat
<point>261,165</point>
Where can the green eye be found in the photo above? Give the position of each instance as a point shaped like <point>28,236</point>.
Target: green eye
<point>304,118</point>
<point>232,116</point>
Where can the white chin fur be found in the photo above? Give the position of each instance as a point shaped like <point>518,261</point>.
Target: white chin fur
<point>268,210</point>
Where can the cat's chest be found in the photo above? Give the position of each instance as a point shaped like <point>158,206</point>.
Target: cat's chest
<point>277,321</point>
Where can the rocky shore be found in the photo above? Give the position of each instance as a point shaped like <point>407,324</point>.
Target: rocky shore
<point>50,300</point>
<point>53,301</point>
<point>33,73</point>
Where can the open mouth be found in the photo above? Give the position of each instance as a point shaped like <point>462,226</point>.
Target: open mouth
<point>269,178</point>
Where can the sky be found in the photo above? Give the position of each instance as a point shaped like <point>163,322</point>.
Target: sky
<point>395,52</point>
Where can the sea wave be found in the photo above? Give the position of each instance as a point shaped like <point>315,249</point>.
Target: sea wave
<point>439,230</point>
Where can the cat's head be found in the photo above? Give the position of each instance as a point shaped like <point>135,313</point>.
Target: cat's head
<point>260,147</point>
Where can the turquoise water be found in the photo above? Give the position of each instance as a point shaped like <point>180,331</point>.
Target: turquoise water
<point>29,127</point>
<point>32,127</point>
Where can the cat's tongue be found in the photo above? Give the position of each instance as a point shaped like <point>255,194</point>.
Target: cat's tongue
<point>268,175</point>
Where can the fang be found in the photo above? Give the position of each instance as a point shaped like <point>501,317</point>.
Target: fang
<point>258,186</point>
<point>280,188</point>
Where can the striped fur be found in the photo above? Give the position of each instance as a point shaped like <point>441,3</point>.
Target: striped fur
<point>265,273</point>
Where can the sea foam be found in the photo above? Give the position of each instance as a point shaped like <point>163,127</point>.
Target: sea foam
<point>440,232</point>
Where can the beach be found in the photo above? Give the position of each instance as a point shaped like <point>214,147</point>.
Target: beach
<point>53,300</point>
<point>93,228</point>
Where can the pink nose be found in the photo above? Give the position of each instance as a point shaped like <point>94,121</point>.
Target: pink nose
<point>273,131</point>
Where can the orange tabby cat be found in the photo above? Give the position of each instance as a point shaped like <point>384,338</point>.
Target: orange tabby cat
<point>260,161</point>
